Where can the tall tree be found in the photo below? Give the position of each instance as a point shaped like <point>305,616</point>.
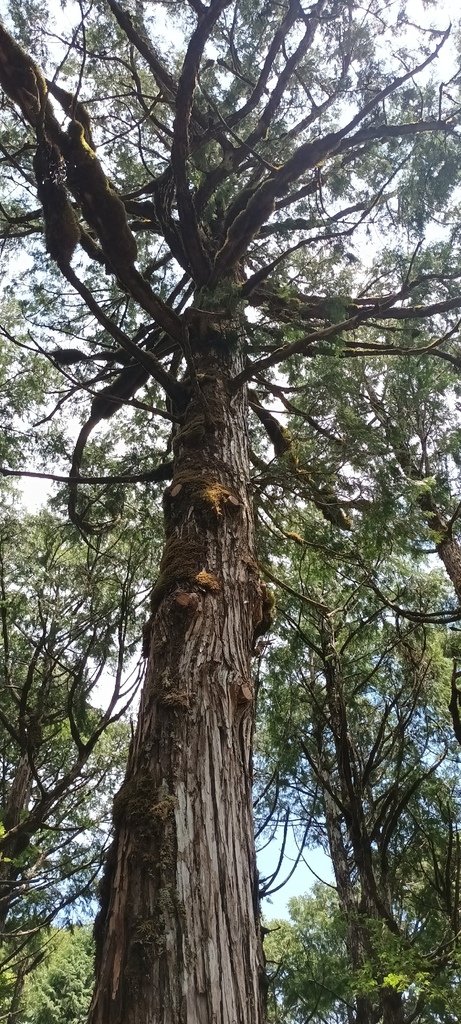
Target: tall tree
<point>67,617</point>
<point>60,990</point>
<point>228,178</point>
<point>360,746</point>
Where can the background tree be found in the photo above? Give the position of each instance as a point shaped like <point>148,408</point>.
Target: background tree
<point>60,990</point>
<point>215,268</point>
<point>357,739</point>
<point>67,616</point>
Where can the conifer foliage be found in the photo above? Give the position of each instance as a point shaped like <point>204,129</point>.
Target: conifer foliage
<point>233,250</point>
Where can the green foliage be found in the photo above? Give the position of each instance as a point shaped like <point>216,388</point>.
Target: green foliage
<point>70,626</point>
<point>339,256</point>
<point>307,959</point>
<point>354,729</point>
<point>59,991</point>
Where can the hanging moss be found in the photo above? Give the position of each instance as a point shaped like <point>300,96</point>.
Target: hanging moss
<point>23,81</point>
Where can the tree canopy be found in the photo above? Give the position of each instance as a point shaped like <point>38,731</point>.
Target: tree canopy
<point>232,275</point>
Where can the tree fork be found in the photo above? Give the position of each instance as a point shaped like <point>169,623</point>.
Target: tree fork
<point>178,935</point>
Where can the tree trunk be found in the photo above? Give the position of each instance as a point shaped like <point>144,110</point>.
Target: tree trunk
<point>450,553</point>
<point>393,1012</point>
<point>13,846</point>
<point>178,933</point>
<point>357,938</point>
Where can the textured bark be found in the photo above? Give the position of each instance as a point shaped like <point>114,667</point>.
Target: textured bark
<point>178,934</point>
<point>450,553</point>
<point>447,548</point>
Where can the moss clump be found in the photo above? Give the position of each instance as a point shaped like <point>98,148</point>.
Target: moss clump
<point>22,80</point>
<point>164,807</point>
<point>175,699</point>
<point>208,581</point>
<point>146,933</point>
<point>206,495</point>
<point>294,536</point>
<point>102,207</point>
<point>284,442</point>
<point>215,496</point>
<point>135,802</point>
<point>138,809</point>
<point>147,942</point>
<point>62,231</point>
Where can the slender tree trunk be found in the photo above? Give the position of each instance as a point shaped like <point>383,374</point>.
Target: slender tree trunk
<point>14,1007</point>
<point>178,935</point>
<point>16,807</point>
<point>391,1002</point>
<point>357,939</point>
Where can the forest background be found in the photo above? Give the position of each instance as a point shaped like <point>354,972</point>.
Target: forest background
<point>295,182</point>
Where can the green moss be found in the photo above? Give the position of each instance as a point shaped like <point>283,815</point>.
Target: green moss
<point>132,800</point>
<point>136,806</point>
<point>147,942</point>
<point>192,433</point>
<point>102,207</point>
<point>164,808</point>
<point>76,134</point>
<point>62,231</point>
<point>287,439</point>
<point>267,612</point>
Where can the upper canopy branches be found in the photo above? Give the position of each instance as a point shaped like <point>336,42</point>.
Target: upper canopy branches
<point>225,156</point>
<point>221,143</point>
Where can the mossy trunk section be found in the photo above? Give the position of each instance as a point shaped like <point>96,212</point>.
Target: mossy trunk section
<point>178,933</point>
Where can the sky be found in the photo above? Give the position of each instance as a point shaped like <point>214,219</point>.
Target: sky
<point>313,867</point>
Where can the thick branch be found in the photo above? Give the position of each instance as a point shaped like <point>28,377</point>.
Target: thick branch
<point>192,239</point>
<point>262,203</point>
